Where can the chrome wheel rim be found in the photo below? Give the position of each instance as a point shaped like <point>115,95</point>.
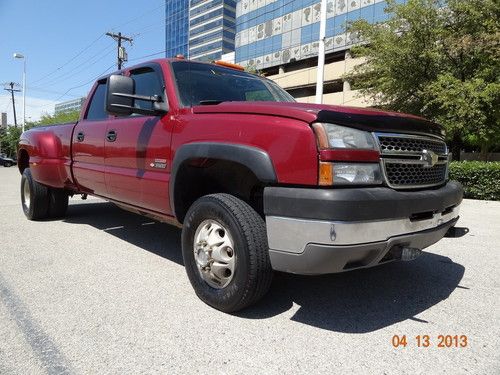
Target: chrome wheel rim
<point>214,253</point>
<point>26,194</point>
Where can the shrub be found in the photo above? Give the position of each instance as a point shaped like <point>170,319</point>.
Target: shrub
<point>481,180</point>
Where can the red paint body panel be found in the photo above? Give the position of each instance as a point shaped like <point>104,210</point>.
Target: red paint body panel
<point>290,143</point>
<point>88,157</point>
<point>129,175</point>
<point>50,148</point>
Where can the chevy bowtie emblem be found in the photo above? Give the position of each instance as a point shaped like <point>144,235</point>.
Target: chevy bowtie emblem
<point>430,158</point>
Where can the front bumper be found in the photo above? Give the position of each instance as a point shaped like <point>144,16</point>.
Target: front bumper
<point>315,231</point>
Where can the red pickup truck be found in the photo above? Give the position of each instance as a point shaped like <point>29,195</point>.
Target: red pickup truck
<point>257,181</point>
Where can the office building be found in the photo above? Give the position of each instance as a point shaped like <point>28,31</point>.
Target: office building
<point>176,27</point>
<point>3,119</point>
<point>69,106</point>
<point>280,39</point>
<point>212,28</point>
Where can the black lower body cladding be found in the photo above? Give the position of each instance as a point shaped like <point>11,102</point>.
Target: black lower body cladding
<point>359,204</point>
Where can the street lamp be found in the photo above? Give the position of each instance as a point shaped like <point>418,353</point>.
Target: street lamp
<point>21,56</point>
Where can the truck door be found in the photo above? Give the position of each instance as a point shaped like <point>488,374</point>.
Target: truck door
<point>137,149</point>
<point>88,144</point>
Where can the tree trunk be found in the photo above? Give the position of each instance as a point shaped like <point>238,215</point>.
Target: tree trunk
<point>483,155</point>
<point>455,146</point>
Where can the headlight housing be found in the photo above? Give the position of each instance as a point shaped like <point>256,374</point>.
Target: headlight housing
<point>331,136</point>
<point>347,156</point>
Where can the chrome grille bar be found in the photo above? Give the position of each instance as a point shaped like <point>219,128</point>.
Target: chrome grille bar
<point>412,161</point>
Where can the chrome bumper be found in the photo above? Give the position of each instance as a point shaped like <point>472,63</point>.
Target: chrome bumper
<point>293,235</point>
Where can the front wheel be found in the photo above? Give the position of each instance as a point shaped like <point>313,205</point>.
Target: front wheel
<point>225,252</point>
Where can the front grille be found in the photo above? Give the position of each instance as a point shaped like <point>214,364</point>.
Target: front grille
<point>405,159</point>
<point>398,144</point>
<point>401,174</point>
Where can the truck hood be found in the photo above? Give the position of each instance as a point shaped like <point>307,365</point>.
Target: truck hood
<point>359,118</point>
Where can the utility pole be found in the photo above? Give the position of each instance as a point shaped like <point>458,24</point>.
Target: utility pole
<point>321,54</point>
<point>122,54</point>
<point>9,86</point>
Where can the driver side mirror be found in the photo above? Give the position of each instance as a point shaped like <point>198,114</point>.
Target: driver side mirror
<point>120,98</point>
<point>121,104</point>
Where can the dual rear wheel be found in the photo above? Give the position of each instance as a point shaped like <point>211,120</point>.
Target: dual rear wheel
<point>40,202</point>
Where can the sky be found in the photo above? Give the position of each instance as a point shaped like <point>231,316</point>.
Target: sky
<point>66,47</point>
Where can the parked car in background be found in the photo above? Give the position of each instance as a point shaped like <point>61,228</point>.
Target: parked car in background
<point>6,161</point>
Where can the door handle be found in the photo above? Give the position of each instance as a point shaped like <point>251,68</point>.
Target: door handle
<point>80,136</point>
<point>111,136</point>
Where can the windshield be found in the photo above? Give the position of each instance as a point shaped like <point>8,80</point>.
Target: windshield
<point>211,84</point>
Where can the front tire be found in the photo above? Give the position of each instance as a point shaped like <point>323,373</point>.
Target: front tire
<point>34,197</point>
<point>225,252</point>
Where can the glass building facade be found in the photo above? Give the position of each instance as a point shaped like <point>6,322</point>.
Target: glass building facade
<point>212,28</point>
<point>176,27</point>
<point>276,32</point>
<point>69,106</point>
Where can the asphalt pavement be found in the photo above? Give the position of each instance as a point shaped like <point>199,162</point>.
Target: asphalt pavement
<point>104,291</point>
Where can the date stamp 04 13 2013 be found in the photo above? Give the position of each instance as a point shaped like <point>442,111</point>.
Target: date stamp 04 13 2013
<point>427,341</point>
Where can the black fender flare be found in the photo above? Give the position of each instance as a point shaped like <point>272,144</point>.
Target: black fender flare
<point>255,159</point>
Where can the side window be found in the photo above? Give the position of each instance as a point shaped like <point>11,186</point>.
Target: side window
<point>147,83</point>
<point>96,109</point>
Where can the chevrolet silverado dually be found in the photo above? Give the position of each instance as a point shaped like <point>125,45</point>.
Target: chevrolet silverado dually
<point>257,181</point>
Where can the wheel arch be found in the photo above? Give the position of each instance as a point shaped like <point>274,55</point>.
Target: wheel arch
<point>247,165</point>
<point>23,160</point>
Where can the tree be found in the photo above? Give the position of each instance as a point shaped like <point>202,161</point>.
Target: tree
<point>9,136</point>
<point>438,59</point>
<point>9,139</point>
<point>59,118</point>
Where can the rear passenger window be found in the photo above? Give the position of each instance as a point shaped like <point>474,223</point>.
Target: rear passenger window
<point>96,109</point>
<point>147,83</point>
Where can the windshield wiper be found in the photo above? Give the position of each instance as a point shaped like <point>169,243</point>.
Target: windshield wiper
<point>211,102</point>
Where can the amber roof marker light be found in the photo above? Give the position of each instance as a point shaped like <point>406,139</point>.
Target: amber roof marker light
<point>229,65</point>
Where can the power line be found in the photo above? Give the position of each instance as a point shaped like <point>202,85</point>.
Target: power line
<point>85,83</point>
<point>92,44</point>
<point>78,86</point>
<point>70,60</point>
<point>90,61</point>
<point>139,17</point>
<point>40,89</point>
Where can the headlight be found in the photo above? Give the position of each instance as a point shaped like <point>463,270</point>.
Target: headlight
<point>340,137</point>
<point>359,174</point>
<point>349,174</point>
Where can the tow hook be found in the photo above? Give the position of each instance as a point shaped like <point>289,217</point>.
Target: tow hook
<point>84,196</point>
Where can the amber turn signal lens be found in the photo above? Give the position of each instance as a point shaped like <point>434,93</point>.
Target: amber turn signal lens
<point>325,174</point>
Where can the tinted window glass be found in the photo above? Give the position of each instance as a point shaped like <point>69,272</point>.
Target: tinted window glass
<point>199,83</point>
<point>147,83</point>
<point>96,109</point>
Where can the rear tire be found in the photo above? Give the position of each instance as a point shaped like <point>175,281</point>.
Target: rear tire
<point>34,197</point>
<point>58,203</point>
<point>248,273</point>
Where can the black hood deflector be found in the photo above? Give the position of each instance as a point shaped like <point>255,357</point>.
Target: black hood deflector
<point>382,123</point>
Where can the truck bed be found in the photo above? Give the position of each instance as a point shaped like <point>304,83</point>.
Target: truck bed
<point>49,148</point>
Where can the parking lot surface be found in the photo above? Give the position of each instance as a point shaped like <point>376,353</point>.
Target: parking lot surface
<point>104,292</point>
